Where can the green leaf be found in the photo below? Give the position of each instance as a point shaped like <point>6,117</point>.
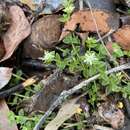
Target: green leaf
<point>68,9</point>
<point>91,42</point>
<point>71,39</point>
<point>117,52</point>
<point>48,56</point>
<point>61,63</point>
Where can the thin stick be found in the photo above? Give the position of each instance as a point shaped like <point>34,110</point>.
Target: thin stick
<point>106,35</point>
<point>65,94</point>
<point>19,87</point>
<point>81,5</point>
<point>94,20</point>
<point>108,53</point>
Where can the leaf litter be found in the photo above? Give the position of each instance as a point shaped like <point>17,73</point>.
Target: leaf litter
<point>59,51</point>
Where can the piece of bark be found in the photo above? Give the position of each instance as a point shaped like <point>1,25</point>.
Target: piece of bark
<point>105,22</point>
<point>18,31</point>
<point>56,83</point>
<point>5,124</point>
<point>45,34</point>
<point>122,36</point>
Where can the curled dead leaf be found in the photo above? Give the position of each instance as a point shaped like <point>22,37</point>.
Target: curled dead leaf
<point>111,115</point>
<point>18,31</point>
<point>5,124</point>
<point>122,36</point>
<point>5,76</point>
<point>104,20</point>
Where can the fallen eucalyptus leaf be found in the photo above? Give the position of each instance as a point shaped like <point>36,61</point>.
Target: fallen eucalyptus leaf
<point>45,34</point>
<point>67,110</point>
<point>121,36</point>
<point>18,31</point>
<point>5,124</point>
<point>5,76</point>
<point>105,22</point>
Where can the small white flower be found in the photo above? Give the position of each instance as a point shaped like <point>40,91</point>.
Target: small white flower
<point>90,58</point>
<point>48,56</point>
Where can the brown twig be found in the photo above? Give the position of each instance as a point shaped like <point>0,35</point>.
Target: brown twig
<point>106,35</point>
<point>19,87</point>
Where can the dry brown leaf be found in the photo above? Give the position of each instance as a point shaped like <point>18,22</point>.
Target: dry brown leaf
<point>111,115</point>
<point>67,110</point>
<point>4,120</point>
<point>122,36</point>
<point>55,84</point>
<point>105,21</point>
<point>5,76</point>
<point>18,31</point>
<point>45,34</point>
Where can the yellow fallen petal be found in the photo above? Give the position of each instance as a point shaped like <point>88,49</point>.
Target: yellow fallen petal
<point>120,105</point>
<point>78,110</point>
